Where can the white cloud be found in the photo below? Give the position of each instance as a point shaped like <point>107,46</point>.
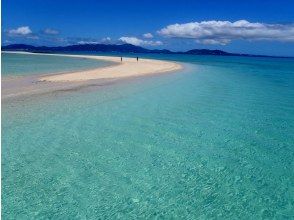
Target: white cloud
<point>139,42</point>
<point>148,35</point>
<point>51,31</point>
<point>25,30</point>
<point>223,32</point>
<point>131,40</point>
<point>87,42</point>
<point>106,40</point>
<point>214,41</point>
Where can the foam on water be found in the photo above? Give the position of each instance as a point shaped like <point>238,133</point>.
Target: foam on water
<point>212,141</point>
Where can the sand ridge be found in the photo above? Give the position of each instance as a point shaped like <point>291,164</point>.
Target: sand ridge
<point>129,67</point>
<point>14,87</point>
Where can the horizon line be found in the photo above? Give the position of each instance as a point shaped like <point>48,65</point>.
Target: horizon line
<point>168,50</point>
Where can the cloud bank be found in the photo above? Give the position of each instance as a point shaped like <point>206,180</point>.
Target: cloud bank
<point>223,32</point>
<point>87,42</point>
<point>106,40</point>
<point>22,31</point>
<point>51,31</point>
<point>139,42</point>
<point>148,35</point>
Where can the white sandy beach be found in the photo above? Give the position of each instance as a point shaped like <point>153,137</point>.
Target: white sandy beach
<point>40,84</point>
<point>129,67</point>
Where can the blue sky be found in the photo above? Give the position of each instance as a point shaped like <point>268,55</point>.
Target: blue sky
<point>258,27</point>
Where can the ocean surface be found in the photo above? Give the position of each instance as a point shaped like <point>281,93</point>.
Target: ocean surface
<point>26,64</point>
<point>212,141</point>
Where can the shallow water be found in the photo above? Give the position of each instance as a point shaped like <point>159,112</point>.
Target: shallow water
<point>26,64</point>
<point>212,141</point>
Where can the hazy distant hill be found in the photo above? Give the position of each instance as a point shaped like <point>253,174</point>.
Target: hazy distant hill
<point>121,48</point>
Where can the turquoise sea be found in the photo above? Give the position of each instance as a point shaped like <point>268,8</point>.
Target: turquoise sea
<point>212,141</point>
<point>26,64</point>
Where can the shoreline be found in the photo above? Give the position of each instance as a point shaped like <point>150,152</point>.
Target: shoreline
<point>129,67</point>
<point>48,83</point>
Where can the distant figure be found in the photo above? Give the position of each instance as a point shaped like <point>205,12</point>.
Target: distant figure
<point>120,59</point>
<point>137,59</point>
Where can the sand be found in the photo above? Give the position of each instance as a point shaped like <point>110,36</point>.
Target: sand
<point>17,87</point>
<point>129,67</point>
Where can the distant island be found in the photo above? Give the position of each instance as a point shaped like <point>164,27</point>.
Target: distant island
<point>120,48</point>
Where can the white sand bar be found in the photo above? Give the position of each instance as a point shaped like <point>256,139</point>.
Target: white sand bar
<point>14,87</point>
<point>129,67</point>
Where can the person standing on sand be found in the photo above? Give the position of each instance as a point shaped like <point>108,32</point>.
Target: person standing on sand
<point>120,59</point>
<point>137,59</point>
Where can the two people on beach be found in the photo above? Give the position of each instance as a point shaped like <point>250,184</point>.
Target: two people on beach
<point>136,58</point>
